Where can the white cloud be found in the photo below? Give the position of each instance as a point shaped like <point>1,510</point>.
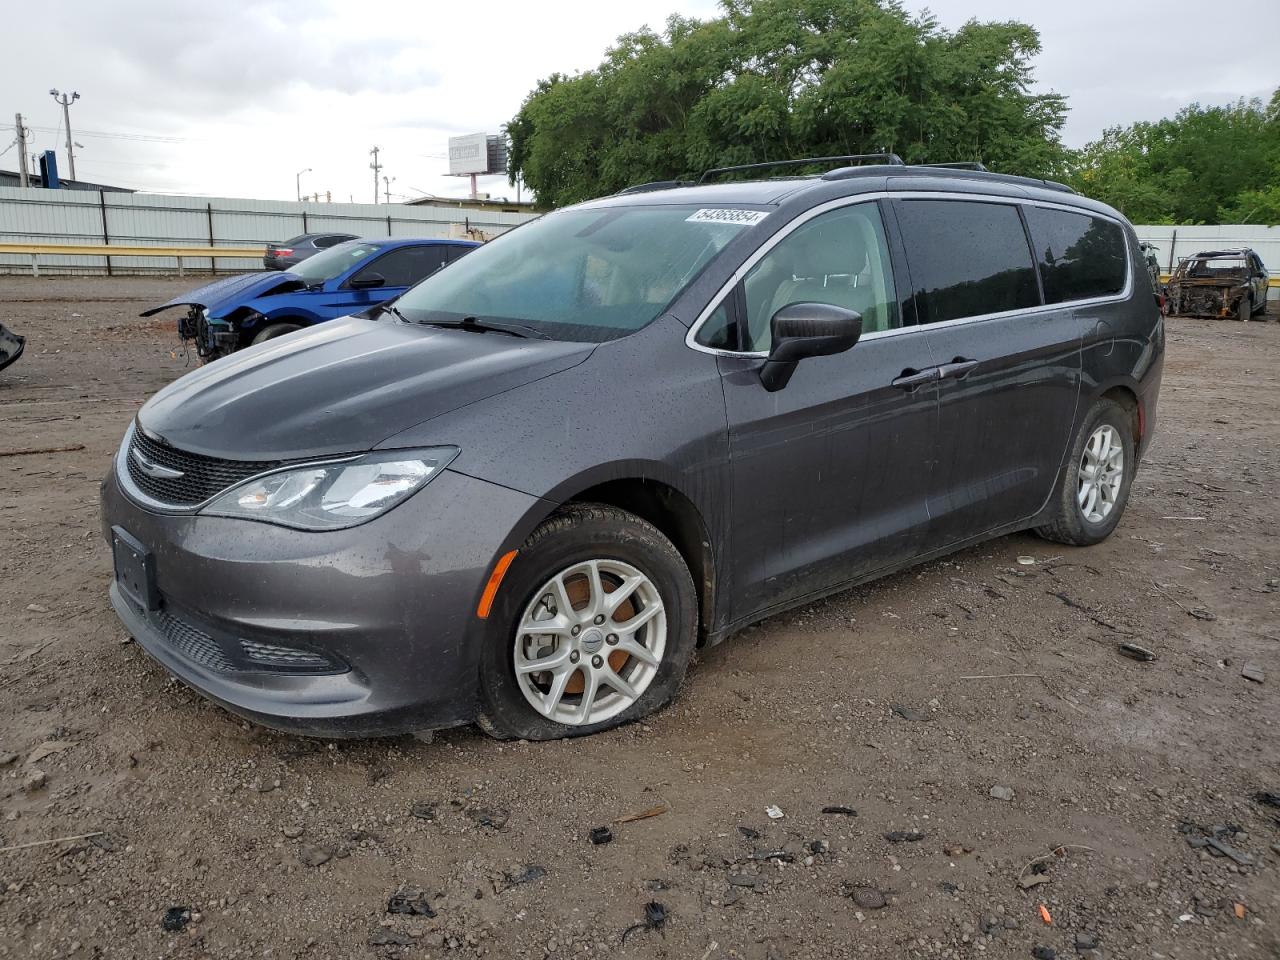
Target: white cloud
<point>256,90</point>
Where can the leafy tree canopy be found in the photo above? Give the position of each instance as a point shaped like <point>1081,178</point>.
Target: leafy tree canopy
<point>777,79</point>
<point>1204,165</point>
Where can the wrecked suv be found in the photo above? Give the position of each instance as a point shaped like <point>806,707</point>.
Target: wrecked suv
<point>1218,283</point>
<point>238,311</point>
<point>523,494</point>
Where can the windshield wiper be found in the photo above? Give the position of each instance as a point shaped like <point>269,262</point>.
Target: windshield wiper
<point>476,325</point>
<point>392,309</point>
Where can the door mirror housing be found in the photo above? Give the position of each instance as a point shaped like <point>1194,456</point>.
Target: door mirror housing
<point>803,330</point>
<point>367,281</point>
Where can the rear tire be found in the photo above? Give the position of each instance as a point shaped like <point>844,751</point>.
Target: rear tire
<point>1094,487</point>
<point>273,331</point>
<point>586,640</point>
<point>1244,309</point>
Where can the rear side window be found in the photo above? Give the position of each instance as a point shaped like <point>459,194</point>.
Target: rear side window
<point>324,243</point>
<point>966,258</point>
<point>1079,256</point>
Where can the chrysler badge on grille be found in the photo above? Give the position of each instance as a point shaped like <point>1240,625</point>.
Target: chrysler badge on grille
<point>153,469</point>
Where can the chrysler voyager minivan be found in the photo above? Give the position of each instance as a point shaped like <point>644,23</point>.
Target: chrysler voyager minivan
<point>523,493</point>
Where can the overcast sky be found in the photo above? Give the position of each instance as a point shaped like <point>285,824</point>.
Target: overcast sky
<point>232,98</point>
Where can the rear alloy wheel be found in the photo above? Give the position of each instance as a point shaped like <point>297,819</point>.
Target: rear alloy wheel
<point>594,626</point>
<point>1101,474</point>
<point>1244,309</point>
<point>1094,486</point>
<point>273,331</point>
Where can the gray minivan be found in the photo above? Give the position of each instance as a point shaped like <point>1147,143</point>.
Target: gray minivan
<point>524,492</point>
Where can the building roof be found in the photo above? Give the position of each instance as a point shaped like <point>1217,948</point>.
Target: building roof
<point>11,178</point>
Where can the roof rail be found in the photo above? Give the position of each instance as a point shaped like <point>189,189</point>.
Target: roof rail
<point>957,165</point>
<point>890,158</point>
<point>654,185</point>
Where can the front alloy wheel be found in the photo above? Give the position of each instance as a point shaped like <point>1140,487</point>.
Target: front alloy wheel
<point>591,642</point>
<point>593,626</point>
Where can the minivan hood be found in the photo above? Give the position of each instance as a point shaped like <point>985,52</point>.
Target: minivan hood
<point>230,292</point>
<point>342,387</point>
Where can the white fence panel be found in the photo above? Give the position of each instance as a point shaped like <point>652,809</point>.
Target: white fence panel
<point>141,219</point>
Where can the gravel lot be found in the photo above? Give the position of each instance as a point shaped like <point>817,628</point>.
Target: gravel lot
<point>906,701</point>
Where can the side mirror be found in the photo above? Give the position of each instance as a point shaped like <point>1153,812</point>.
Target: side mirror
<point>367,281</point>
<point>807,330</point>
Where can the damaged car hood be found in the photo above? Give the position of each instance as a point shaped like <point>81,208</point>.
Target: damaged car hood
<point>231,292</point>
<point>343,387</point>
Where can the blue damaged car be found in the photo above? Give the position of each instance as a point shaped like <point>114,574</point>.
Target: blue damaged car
<point>348,278</point>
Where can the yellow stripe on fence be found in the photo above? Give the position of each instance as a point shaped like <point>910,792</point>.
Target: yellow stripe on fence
<point>37,250</point>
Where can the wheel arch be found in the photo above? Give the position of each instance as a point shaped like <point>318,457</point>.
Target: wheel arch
<point>1127,397</point>
<point>668,508</point>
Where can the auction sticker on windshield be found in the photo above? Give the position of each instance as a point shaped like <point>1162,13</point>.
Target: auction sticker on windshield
<point>745,218</point>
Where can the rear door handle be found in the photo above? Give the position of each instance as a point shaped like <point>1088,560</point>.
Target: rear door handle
<point>911,379</point>
<point>957,369</point>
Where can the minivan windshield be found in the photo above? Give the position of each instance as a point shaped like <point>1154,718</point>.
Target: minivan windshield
<point>333,262</point>
<point>581,274</point>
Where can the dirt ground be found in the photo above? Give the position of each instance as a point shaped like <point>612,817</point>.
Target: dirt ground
<point>906,701</point>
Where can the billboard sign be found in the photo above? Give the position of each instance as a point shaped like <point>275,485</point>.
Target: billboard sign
<point>469,154</point>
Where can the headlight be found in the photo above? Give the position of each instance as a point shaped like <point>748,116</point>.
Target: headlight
<point>329,496</point>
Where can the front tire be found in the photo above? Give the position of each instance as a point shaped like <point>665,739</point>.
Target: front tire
<point>594,627</point>
<point>273,331</point>
<point>1094,487</point>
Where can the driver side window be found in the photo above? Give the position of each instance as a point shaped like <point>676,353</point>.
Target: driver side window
<point>840,257</point>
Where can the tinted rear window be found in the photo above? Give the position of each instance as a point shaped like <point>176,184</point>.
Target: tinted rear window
<point>967,258</point>
<point>1080,256</point>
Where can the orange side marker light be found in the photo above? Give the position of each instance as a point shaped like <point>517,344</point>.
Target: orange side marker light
<point>1044,915</point>
<point>495,581</point>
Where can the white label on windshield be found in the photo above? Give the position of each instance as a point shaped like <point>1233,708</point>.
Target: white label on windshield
<point>741,218</point>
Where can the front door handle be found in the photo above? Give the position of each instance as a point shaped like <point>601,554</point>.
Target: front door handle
<point>957,369</point>
<point>912,379</point>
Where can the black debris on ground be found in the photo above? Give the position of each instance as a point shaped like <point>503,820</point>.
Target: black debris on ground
<point>655,917</point>
<point>411,902</point>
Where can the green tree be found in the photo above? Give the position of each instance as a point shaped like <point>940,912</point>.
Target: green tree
<point>1203,165</point>
<point>776,79</point>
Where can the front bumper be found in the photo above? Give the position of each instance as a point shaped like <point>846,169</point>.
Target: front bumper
<point>368,631</point>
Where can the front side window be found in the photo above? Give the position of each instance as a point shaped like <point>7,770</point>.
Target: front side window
<point>967,258</point>
<point>406,266</point>
<point>1080,256</point>
<point>332,262</point>
<point>581,274</point>
<point>839,257</point>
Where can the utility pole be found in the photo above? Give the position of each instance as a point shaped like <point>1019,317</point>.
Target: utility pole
<point>376,167</point>
<point>66,102</point>
<point>23,176</point>
<point>386,192</point>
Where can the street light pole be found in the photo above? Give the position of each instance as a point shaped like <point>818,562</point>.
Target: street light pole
<point>66,102</point>
<point>297,182</point>
<point>375,167</point>
<point>386,192</point>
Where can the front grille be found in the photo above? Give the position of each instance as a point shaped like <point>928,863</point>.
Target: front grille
<point>202,477</point>
<point>285,658</point>
<point>193,644</point>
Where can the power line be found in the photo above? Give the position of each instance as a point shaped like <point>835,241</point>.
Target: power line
<point>146,137</point>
